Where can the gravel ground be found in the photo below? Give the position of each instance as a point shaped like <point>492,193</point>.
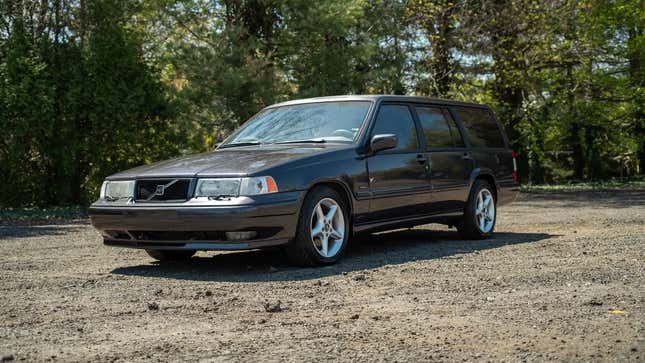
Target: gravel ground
<point>563,279</point>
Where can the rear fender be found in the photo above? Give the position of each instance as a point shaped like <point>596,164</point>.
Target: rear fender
<point>483,172</point>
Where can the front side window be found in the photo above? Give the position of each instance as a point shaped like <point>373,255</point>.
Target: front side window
<point>481,128</point>
<point>396,119</point>
<point>324,121</point>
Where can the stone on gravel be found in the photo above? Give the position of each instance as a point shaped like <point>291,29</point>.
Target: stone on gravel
<point>153,306</point>
<point>593,302</point>
<point>7,358</point>
<point>360,277</point>
<point>273,308</point>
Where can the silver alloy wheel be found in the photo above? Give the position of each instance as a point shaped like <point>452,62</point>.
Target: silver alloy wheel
<point>327,227</point>
<point>485,210</point>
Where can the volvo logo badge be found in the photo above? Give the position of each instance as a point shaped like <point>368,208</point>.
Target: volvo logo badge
<point>160,189</point>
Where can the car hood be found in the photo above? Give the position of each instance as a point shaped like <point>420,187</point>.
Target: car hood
<point>226,162</point>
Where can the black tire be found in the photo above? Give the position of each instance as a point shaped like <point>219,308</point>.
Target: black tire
<point>301,250</point>
<point>170,255</point>
<point>468,226</point>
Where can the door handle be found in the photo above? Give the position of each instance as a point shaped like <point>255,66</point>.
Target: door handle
<point>421,158</point>
<point>467,156</point>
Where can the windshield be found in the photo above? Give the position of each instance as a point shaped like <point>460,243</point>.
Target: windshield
<point>311,122</point>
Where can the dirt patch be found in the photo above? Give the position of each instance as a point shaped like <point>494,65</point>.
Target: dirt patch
<point>563,279</point>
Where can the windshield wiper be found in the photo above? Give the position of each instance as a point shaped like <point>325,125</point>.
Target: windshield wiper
<point>245,143</point>
<point>306,141</point>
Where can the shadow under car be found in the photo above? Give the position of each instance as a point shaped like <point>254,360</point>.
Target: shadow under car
<point>365,252</point>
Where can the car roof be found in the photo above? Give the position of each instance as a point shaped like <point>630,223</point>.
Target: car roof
<point>373,98</point>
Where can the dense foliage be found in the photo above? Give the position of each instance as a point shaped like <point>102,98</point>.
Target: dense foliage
<point>92,87</point>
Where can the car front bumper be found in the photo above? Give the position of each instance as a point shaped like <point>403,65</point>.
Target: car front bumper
<point>200,225</point>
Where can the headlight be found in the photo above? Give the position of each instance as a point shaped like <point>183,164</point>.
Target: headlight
<point>233,187</point>
<point>229,187</point>
<point>113,190</point>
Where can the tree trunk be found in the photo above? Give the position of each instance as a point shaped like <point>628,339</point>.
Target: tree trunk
<point>575,127</point>
<point>637,80</point>
<point>507,89</point>
<point>574,130</point>
<point>442,63</point>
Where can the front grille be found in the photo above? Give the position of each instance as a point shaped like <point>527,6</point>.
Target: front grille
<point>157,190</point>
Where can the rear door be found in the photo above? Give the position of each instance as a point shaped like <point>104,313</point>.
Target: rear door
<point>450,164</point>
<point>486,142</point>
<point>398,177</point>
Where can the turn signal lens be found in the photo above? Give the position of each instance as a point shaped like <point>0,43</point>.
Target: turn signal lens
<point>271,185</point>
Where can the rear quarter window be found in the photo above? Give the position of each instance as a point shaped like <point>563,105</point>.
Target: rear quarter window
<point>480,125</point>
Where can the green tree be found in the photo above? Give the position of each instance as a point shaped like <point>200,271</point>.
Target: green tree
<point>92,87</point>
<point>78,101</point>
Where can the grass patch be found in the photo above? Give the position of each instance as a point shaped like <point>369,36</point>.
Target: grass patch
<point>604,185</point>
<point>42,215</point>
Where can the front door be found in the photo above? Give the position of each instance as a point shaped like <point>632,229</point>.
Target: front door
<point>450,164</point>
<point>398,179</point>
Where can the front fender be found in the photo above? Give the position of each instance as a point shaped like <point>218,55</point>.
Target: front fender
<point>342,168</point>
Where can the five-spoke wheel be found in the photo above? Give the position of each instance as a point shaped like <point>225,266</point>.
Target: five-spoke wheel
<point>479,214</point>
<point>327,227</point>
<point>323,229</point>
<point>485,210</point>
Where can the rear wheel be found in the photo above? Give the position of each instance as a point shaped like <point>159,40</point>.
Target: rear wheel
<point>480,213</point>
<point>323,229</point>
<point>170,256</point>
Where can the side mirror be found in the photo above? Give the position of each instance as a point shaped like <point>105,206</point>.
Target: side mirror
<point>383,142</point>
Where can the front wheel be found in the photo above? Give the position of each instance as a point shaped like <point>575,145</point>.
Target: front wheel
<point>480,213</point>
<point>323,229</point>
<point>170,255</point>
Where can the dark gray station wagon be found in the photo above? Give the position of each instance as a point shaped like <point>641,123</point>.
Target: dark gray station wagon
<point>308,174</point>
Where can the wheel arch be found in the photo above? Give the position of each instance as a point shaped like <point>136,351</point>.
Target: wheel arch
<point>341,187</point>
<point>486,175</point>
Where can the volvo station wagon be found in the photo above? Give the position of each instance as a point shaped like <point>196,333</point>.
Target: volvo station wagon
<point>309,174</point>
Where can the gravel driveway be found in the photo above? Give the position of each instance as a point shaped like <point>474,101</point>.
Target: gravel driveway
<point>563,279</point>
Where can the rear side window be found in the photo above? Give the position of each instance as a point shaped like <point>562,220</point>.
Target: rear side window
<point>439,131</point>
<point>396,119</point>
<point>481,128</point>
